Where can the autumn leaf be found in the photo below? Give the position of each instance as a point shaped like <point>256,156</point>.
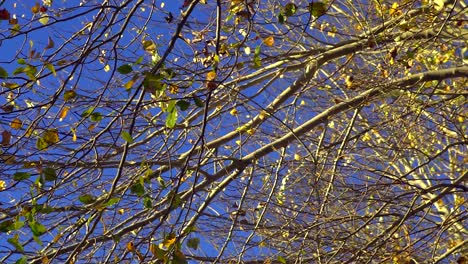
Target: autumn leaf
<point>16,124</point>
<point>63,113</point>
<point>210,75</point>
<point>36,8</point>
<point>269,41</point>
<point>3,73</point>
<point>44,19</point>
<point>4,14</point>
<point>6,138</point>
<point>130,246</point>
<point>169,241</point>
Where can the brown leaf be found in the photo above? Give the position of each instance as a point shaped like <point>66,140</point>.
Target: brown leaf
<point>6,138</point>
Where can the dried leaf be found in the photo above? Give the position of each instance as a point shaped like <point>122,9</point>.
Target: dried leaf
<point>6,138</point>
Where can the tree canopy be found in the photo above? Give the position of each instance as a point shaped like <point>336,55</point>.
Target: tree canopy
<point>240,131</point>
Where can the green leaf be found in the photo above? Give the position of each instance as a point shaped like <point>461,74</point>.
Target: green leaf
<point>183,105</point>
<point>41,144</point>
<point>179,258</point>
<point>22,260</point>
<point>51,68</point>
<point>257,61</point>
<point>3,73</point>
<point>111,202</point>
<point>68,95</point>
<point>281,260</point>
<point>9,225</point>
<point>5,226</point>
<point>15,242</point>
<point>18,70</point>
<point>127,137</point>
<point>198,101</point>
<point>37,228</point>
<point>153,83</point>
<point>139,60</point>
<point>87,199</point>
<point>257,51</point>
<point>10,85</point>
<point>147,202</point>
<point>125,69</point>
<point>30,71</point>
<point>21,61</point>
<point>159,253</point>
<point>19,176</point>
<point>138,189</point>
<point>176,200</point>
<point>290,9</point>
<point>317,9</point>
<point>281,18</point>
<point>193,243</point>
<point>88,112</point>
<point>171,119</point>
<point>95,117</point>
<point>38,241</point>
<point>49,174</point>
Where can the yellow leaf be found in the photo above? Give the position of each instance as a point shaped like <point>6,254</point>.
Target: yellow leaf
<point>45,260</point>
<point>129,84</point>
<point>332,32</point>
<point>439,4</point>
<point>16,124</point>
<point>393,10</point>
<point>169,241</point>
<point>63,113</point>
<point>366,137</point>
<point>74,134</point>
<point>173,89</point>
<point>461,119</point>
<point>2,185</point>
<point>44,19</point>
<point>121,211</point>
<point>440,202</point>
<point>269,41</point>
<point>130,246</point>
<point>459,200</point>
<point>250,131</point>
<point>107,68</point>
<point>210,75</point>
<point>233,112</point>
<point>297,157</point>
<point>349,81</point>
<point>149,46</point>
